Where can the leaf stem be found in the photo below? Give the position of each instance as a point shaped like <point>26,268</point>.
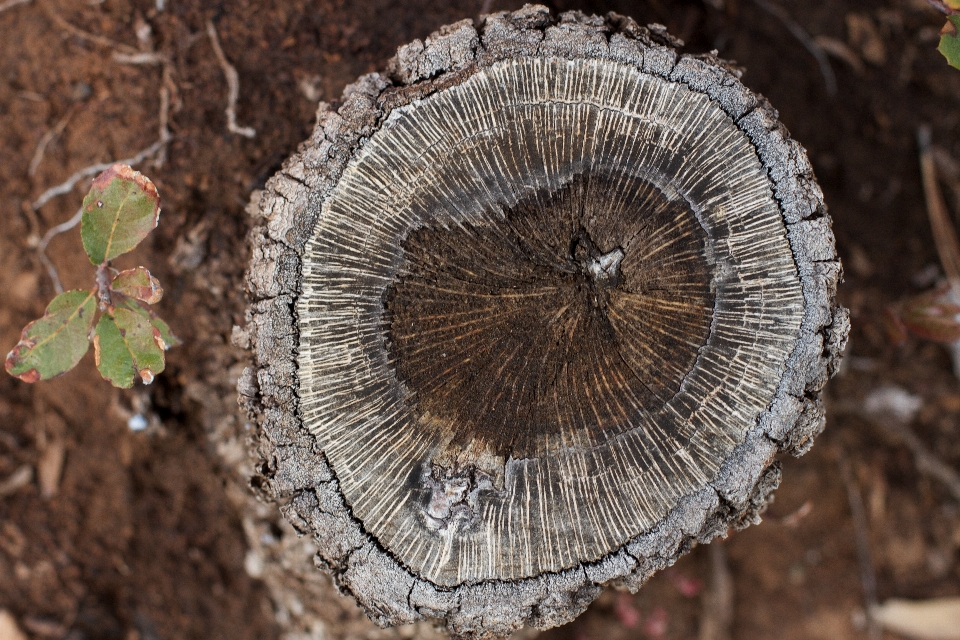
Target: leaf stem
<point>103,286</point>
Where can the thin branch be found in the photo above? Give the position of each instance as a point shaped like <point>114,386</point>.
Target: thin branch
<point>233,85</point>
<point>87,172</point>
<point>927,462</point>
<point>798,32</point>
<point>868,577</point>
<point>10,4</point>
<point>47,237</point>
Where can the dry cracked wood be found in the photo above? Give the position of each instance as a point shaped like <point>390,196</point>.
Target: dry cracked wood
<point>532,313</point>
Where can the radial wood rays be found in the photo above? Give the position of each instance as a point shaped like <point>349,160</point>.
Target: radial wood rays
<point>504,216</point>
<point>533,313</point>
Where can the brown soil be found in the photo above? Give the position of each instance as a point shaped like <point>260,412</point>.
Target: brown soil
<point>122,534</point>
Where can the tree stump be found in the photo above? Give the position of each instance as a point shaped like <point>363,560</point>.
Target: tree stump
<point>533,312</point>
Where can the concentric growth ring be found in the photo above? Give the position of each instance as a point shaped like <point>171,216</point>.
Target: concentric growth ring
<point>532,312</point>
<point>555,298</point>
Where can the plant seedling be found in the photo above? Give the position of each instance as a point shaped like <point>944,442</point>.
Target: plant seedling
<point>129,340</point>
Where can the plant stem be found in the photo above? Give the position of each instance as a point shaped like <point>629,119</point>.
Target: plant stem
<point>103,286</point>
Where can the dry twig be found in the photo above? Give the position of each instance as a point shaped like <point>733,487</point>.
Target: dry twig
<point>926,461</point>
<point>811,45</point>
<point>868,577</point>
<point>86,35</point>
<point>887,419</point>
<point>123,54</point>
<point>233,85</point>
<point>88,172</point>
<point>47,237</point>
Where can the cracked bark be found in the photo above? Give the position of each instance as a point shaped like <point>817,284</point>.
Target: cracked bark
<point>443,479</point>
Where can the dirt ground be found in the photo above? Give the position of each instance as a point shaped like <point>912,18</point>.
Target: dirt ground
<point>107,532</point>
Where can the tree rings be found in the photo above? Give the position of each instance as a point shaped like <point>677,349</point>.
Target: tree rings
<point>533,312</point>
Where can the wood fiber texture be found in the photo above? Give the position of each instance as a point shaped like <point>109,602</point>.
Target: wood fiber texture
<point>532,313</point>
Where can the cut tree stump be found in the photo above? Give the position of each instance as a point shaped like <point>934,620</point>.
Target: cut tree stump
<point>533,312</point>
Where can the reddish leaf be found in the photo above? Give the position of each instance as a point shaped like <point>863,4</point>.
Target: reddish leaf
<point>933,315</point>
<point>138,283</point>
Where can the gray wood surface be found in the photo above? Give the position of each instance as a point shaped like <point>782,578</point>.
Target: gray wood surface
<point>569,189</point>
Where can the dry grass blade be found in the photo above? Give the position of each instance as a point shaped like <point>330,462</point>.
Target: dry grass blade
<point>944,234</point>
<point>18,479</point>
<point>718,603</point>
<point>811,45</point>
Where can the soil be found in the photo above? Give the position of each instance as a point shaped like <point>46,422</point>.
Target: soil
<point>110,532</point>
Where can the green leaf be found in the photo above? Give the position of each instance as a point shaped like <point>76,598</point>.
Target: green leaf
<point>114,360</point>
<point>166,335</point>
<point>126,343</point>
<point>121,209</point>
<point>950,41</point>
<point>56,342</point>
<point>138,283</point>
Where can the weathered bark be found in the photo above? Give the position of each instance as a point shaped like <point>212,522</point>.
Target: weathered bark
<point>525,179</point>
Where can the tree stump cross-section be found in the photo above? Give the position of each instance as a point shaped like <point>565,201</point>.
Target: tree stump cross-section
<point>533,312</point>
